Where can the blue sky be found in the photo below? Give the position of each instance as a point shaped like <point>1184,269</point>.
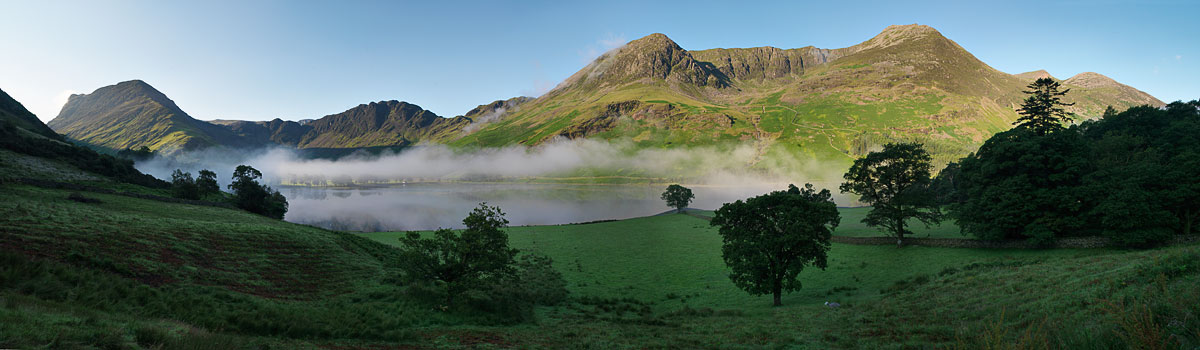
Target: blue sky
<point>260,60</point>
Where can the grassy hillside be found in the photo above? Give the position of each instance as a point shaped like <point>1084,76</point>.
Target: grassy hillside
<point>128,271</point>
<point>675,260</point>
<point>659,282</point>
<point>909,83</point>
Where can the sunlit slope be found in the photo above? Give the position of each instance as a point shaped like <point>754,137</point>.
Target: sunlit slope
<point>133,114</point>
<point>909,83</point>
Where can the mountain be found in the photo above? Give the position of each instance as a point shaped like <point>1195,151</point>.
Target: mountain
<point>133,114</point>
<point>377,124</point>
<point>1035,75</point>
<point>278,131</point>
<point>15,114</point>
<point>31,150</point>
<point>909,83</point>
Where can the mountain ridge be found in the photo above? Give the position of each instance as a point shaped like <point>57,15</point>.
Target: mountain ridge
<point>907,83</point>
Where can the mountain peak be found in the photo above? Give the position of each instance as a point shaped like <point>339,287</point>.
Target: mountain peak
<point>1091,80</point>
<point>132,114</point>
<point>897,34</point>
<point>652,57</point>
<point>909,29</point>
<point>1035,75</point>
<point>655,39</point>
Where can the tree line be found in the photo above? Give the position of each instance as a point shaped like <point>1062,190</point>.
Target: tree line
<point>1131,176</point>
<point>247,193</point>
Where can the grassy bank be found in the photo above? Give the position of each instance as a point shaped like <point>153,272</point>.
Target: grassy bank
<point>136,273</point>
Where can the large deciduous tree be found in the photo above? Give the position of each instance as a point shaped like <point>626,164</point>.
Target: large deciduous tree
<point>206,181</point>
<point>478,255</point>
<point>770,239</point>
<point>895,182</point>
<point>678,197</point>
<point>183,186</point>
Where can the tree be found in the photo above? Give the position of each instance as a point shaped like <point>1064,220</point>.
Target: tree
<point>140,154</point>
<point>895,182</point>
<point>206,181</point>
<point>1042,111</point>
<point>769,239</point>
<point>678,197</point>
<point>478,255</point>
<point>251,196</point>
<point>1022,185</point>
<point>183,186</point>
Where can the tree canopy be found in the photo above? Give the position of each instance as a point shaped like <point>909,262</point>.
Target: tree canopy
<point>206,182</point>
<point>254,197</point>
<point>678,197</point>
<point>477,264</point>
<point>895,182</point>
<point>183,186</point>
<point>770,239</point>
<point>1132,176</point>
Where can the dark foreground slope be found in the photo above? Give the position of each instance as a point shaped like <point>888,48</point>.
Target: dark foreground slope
<point>100,269</point>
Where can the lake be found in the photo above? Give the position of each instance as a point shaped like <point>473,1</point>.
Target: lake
<point>424,206</point>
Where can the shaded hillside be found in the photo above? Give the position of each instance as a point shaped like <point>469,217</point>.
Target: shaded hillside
<point>278,131</point>
<point>14,113</point>
<point>29,149</point>
<point>133,114</point>
<point>909,83</point>
<point>384,124</point>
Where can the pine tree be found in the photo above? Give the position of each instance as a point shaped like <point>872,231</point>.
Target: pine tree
<point>1042,111</point>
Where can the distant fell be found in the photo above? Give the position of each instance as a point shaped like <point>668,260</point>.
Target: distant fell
<point>909,83</point>
<point>133,114</point>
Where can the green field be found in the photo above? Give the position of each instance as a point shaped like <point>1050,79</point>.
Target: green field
<point>91,274</point>
<point>675,260</point>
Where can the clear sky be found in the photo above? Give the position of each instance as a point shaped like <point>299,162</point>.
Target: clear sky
<point>260,60</point>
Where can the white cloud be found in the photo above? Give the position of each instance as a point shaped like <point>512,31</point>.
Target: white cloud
<point>1178,57</point>
<point>609,42</point>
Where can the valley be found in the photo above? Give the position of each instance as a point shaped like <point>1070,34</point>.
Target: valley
<point>897,193</point>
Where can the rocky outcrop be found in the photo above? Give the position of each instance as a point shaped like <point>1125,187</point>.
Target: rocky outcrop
<point>651,58</point>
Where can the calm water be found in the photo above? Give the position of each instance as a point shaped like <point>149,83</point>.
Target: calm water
<point>432,205</point>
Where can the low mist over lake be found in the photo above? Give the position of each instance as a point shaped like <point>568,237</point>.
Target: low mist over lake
<point>424,206</point>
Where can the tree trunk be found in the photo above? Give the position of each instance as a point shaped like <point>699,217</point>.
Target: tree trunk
<point>778,290</point>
